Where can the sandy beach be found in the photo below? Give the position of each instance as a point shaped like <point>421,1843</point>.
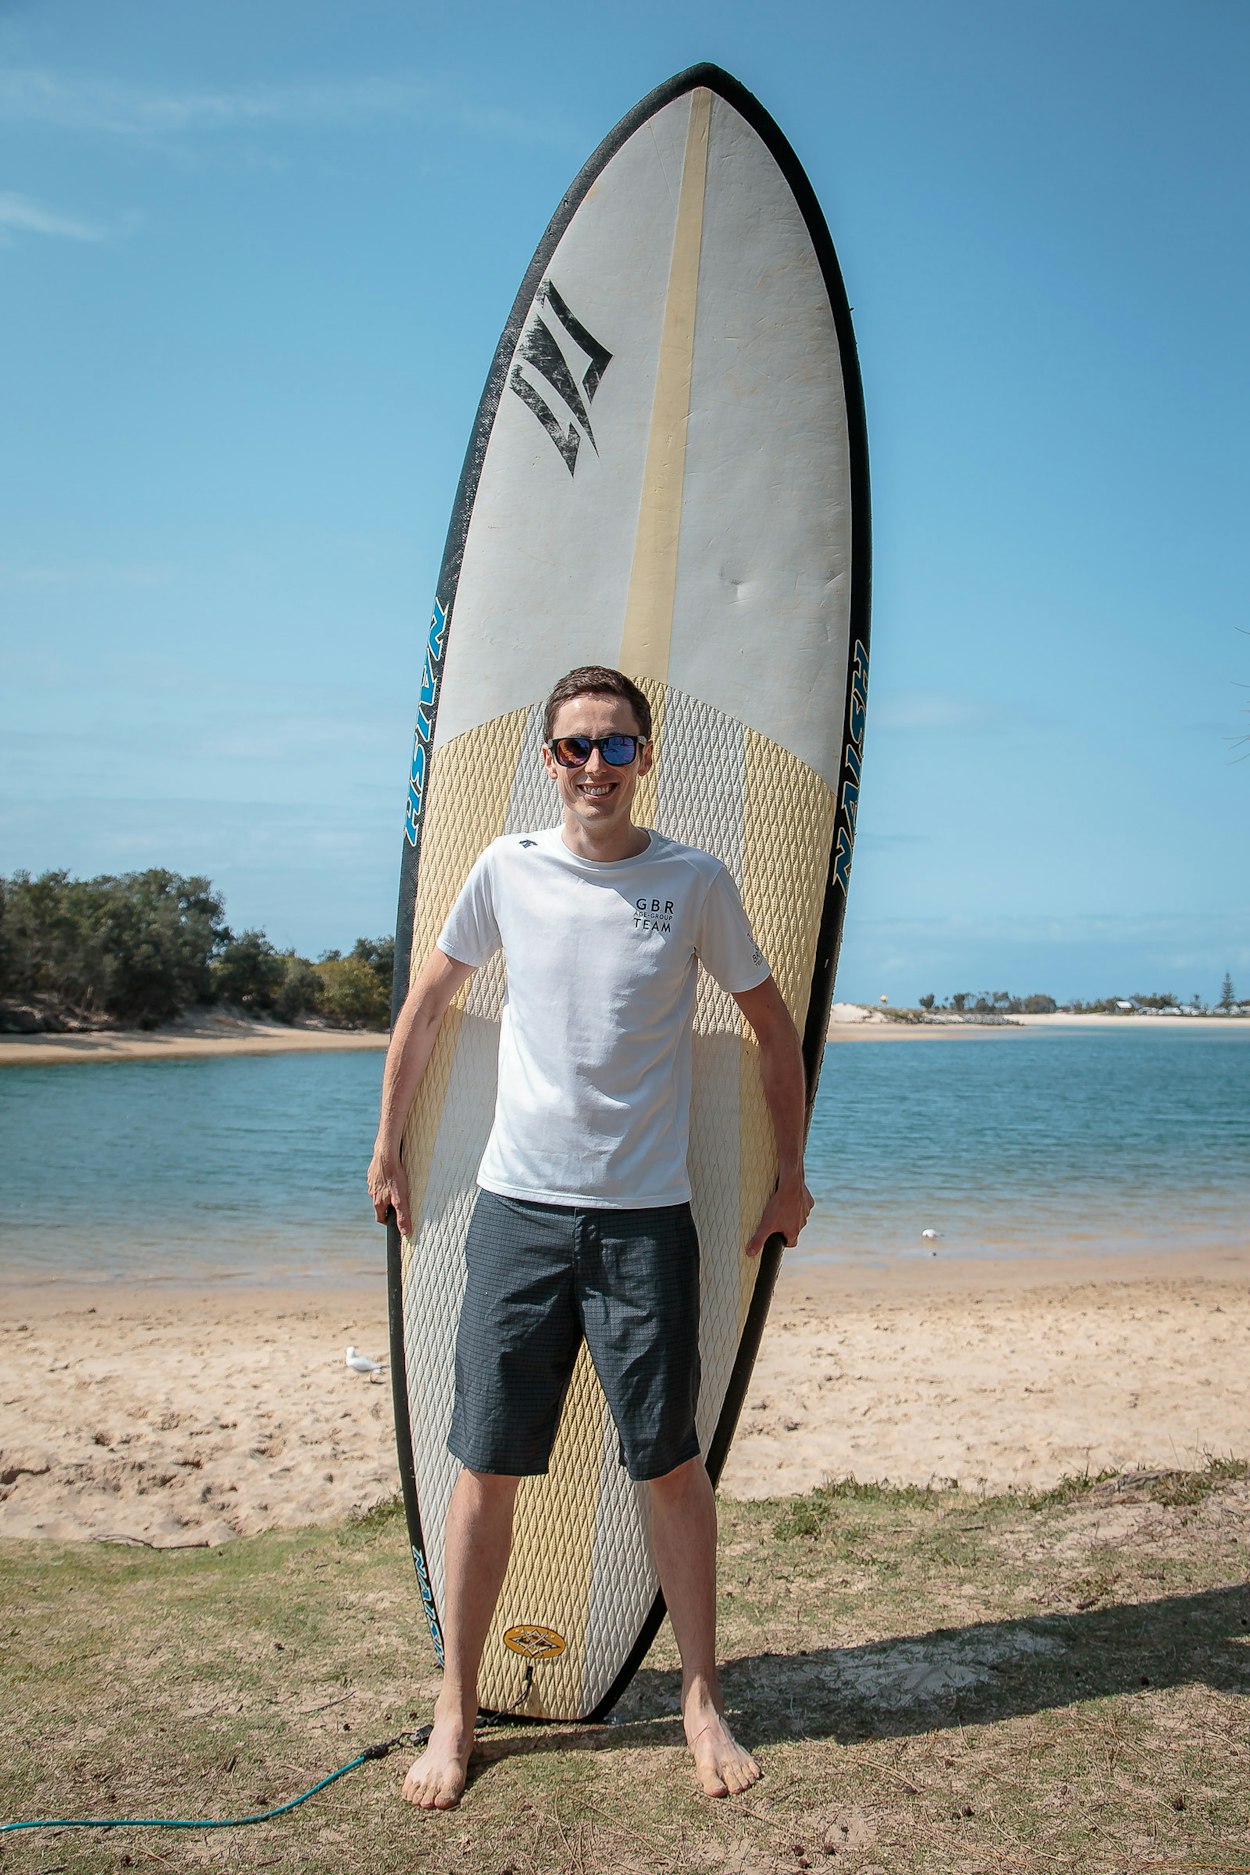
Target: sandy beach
<point>183,1041</point>
<point>166,1413</point>
<point>228,1035</point>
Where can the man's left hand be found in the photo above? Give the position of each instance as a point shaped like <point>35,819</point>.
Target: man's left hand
<point>786,1212</point>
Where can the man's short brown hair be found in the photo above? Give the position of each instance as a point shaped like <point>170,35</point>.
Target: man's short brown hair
<point>597,680</point>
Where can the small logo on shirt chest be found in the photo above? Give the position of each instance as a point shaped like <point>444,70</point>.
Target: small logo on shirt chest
<point>653,914</point>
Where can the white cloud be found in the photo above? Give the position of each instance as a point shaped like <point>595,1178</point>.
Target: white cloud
<point>103,106</point>
<point>20,214</point>
<point>941,710</point>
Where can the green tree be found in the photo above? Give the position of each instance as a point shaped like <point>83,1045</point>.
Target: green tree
<point>352,995</point>
<point>155,934</point>
<point>250,973</point>
<point>1228,995</point>
<point>142,947</point>
<point>927,1002</point>
<point>47,946</point>
<point>301,990</point>
<point>136,947</point>
<point>379,954</point>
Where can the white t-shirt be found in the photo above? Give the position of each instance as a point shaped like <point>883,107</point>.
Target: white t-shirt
<point>593,1104</point>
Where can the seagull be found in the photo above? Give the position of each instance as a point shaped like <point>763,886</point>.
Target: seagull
<point>361,1364</point>
<point>930,1236</point>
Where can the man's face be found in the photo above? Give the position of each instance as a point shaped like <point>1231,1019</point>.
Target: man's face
<point>599,797</point>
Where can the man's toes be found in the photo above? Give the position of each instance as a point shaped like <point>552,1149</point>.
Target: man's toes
<point>742,1775</point>
<point>449,1791</point>
<point>714,1784</point>
<point>420,1788</point>
<point>729,1776</point>
<point>714,1775</point>
<point>434,1793</point>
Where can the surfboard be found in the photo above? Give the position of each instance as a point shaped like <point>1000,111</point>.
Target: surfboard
<point>667,473</point>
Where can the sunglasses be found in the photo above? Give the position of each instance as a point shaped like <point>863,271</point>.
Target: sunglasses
<point>575,751</point>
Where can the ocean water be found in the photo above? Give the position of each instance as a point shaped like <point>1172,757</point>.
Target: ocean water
<point>252,1167</point>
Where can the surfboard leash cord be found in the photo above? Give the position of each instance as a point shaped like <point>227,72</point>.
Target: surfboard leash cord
<point>418,1737</point>
<point>486,1721</point>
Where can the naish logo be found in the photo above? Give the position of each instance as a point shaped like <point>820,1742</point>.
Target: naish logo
<point>431,673</point>
<point>535,1642</point>
<point>427,1597</point>
<point>653,914</point>
<point>852,764</point>
<point>574,379</point>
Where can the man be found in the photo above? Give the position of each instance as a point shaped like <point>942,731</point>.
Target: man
<point>584,1193</point>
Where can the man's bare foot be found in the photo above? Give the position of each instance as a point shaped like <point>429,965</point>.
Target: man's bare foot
<point>725,1768</point>
<point>436,1780</point>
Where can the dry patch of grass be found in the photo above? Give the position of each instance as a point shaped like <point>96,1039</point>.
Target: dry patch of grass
<point>937,1684</point>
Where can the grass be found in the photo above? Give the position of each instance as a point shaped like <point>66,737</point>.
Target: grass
<point>937,1683</point>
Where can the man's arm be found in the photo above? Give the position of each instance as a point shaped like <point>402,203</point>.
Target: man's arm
<point>785,1090</point>
<point>411,1045</point>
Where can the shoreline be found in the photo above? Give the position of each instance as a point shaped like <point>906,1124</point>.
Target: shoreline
<point>874,1025</point>
<point>173,1412</point>
<point>220,1035</point>
<point>232,1036</point>
<point>822,1274</point>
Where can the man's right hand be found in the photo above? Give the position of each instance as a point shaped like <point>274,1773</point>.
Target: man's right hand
<point>388,1185</point>
<point>413,1037</point>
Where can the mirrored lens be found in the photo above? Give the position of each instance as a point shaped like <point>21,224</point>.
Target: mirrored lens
<point>572,751</point>
<point>575,751</point>
<point>619,750</point>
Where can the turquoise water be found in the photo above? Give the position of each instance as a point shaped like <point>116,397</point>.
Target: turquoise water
<point>253,1167</point>
<point>1104,1141</point>
<point>236,1165</point>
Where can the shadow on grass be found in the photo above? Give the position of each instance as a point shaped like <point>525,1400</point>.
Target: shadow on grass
<point>997,1670</point>
<point>948,1677</point>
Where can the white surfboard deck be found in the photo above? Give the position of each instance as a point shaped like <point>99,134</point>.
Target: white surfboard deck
<point>668,474</point>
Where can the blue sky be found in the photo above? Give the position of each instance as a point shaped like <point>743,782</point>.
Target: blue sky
<point>255,258</point>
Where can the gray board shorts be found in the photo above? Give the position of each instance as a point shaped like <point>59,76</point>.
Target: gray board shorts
<point>541,1277</point>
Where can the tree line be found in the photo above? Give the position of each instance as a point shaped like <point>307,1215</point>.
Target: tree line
<point>139,949</point>
<point>1003,1003</point>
